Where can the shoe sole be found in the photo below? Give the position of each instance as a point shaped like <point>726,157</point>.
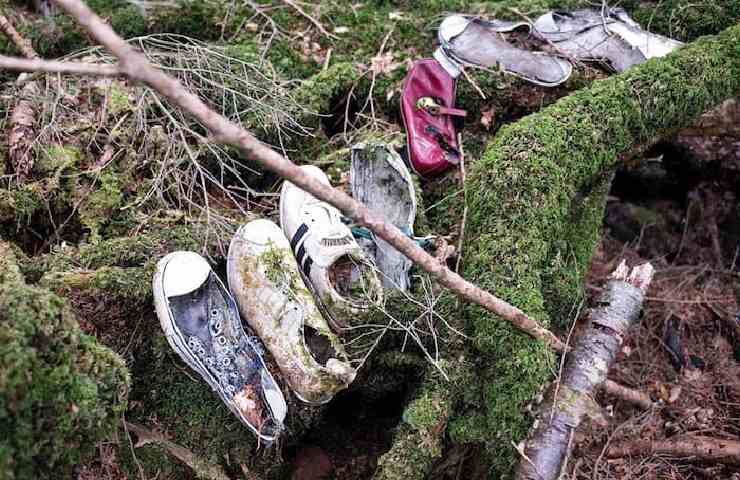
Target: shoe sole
<point>179,345</point>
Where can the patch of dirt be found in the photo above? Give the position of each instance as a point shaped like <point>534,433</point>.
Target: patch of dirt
<point>685,351</point>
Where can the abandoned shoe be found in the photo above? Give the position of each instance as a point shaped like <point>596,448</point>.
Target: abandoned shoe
<point>380,180</point>
<point>612,37</point>
<point>336,269</point>
<point>202,324</point>
<point>476,42</point>
<point>264,278</point>
<point>427,108</point>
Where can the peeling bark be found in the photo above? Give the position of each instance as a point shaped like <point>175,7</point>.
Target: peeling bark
<point>544,454</point>
<point>22,132</point>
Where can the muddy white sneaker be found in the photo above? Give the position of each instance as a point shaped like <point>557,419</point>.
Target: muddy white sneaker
<point>337,270</point>
<point>202,324</point>
<point>265,281</point>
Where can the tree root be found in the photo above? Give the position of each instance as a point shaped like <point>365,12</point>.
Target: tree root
<point>699,448</point>
<point>545,452</point>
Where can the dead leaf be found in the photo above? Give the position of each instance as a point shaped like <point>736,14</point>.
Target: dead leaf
<point>383,63</point>
<point>488,117</point>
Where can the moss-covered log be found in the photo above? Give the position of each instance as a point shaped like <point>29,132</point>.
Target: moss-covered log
<point>60,390</point>
<point>521,199</point>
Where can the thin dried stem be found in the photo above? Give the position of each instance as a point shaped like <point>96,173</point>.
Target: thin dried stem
<point>23,45</point>
<point>51,66</point>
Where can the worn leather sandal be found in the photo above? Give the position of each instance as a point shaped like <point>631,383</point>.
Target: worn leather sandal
<point>471,41</point>
<point>611,37</point>
<point>427,108</point>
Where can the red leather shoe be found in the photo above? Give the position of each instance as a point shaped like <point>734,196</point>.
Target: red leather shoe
<point>427,107</point>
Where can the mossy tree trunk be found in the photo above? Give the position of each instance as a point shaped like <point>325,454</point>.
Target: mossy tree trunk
<point>526,244</point>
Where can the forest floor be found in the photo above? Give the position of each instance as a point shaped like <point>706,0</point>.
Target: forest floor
<point>677,207</point>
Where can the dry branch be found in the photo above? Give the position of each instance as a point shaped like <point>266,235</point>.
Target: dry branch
<point>706,449</point>
<point>138,69</point>
<point>23,45</point>
<point>201,467</point>
<point>545,452</point>
<point>51,66</point>
<point>627,394</point>
<point>22,117</point>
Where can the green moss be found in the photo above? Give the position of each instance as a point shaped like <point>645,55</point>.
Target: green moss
<point>21,202</point>
<point>524,218</point>
<point>319,92</point>
<point>60,391</point>
<point>420,438</point>
<point>118,99</point>
<point>687,20</point>
<point>55,158</point>
<point>100,204</point>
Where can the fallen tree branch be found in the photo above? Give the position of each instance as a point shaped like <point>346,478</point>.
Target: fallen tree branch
<point>135,66</point>
<point>201,467</point>
<point>22,117</point>
<point>627,394</point>
<point>545,452</point>
<point>24,46</point>
<point>704,449</point>
<point>52,66</point>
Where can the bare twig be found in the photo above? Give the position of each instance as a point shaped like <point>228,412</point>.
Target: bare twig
<point>548,447</point>
<point>22,117</point>
<point>138,69</point>
<point>316,23</point>
<point>23,45</point>
<point>627,394</point>
<point>51,66</point>
<point>706,449</point>
<point>202,468</point>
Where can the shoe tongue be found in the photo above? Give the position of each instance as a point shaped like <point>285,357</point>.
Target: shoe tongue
<point>185,273</point>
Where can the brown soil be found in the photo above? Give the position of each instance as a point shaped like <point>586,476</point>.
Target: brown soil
<point>684,353</point>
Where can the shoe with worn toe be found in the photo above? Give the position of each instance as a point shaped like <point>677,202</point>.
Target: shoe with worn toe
<point>476,42</point>
<point>201,322</point>
<point>265,281</point>
<point>611,37</point>
<point>380,180</point>
<point>335,267</point>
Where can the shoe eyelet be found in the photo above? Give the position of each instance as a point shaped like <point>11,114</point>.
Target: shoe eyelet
<point>222,341</point>
<point>214,312</point>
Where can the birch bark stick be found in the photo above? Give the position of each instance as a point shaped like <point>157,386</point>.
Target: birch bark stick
<point>545,452</point>
<point>135,66</point>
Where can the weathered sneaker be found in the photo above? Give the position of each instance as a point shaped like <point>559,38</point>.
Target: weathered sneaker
<point>264,278</point>
<point>334,266</point>
<point>380,180</point>
<point>610,36</point>
<point>201,322</point>
<point>476,42</point>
